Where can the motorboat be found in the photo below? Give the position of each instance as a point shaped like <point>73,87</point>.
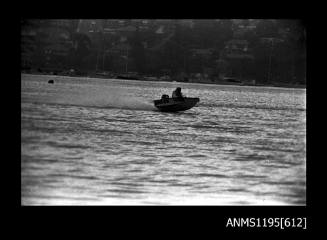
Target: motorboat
<point>167,104</point>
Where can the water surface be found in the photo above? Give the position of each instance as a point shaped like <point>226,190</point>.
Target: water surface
<point>99,141</point>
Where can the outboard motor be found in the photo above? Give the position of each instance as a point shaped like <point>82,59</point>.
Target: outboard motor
<point>165,98</point>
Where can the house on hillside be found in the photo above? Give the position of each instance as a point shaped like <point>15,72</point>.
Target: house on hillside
<point>89,26</point>
<point>46,44</point>
<point>238,60</point>
<point>28,46</point>
<point>202,61</point>
<point>202,52</point>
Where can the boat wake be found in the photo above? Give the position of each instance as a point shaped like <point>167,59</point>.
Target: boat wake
<point>114,98</point>
<point>252,106</point>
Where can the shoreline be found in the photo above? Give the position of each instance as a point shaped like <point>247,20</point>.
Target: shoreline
<point>277,85</point>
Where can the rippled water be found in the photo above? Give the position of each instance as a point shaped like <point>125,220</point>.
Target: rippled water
<point>96,141</point>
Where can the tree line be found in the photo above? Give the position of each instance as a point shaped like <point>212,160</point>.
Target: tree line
<point>278,48</point>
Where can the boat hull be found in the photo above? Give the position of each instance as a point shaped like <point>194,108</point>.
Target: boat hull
<point>175,105</point>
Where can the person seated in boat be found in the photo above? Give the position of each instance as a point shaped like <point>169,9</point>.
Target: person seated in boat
<point>177,93</point>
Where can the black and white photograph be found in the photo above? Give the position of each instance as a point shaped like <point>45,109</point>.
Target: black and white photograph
<point>204,112</point>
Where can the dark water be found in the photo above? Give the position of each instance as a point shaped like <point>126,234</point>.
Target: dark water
<point>96,141</point>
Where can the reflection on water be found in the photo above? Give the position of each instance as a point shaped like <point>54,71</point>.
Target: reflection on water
<point>96,141</point>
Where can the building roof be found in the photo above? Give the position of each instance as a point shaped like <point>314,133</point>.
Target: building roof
<point>58,49</point>
<point>239,56</point>
<point>237,41</point>
<point>126,29</point>
<point>121,46</point>
<point>206,51</point>
<point>160,30</point>
<point>28,33</point>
